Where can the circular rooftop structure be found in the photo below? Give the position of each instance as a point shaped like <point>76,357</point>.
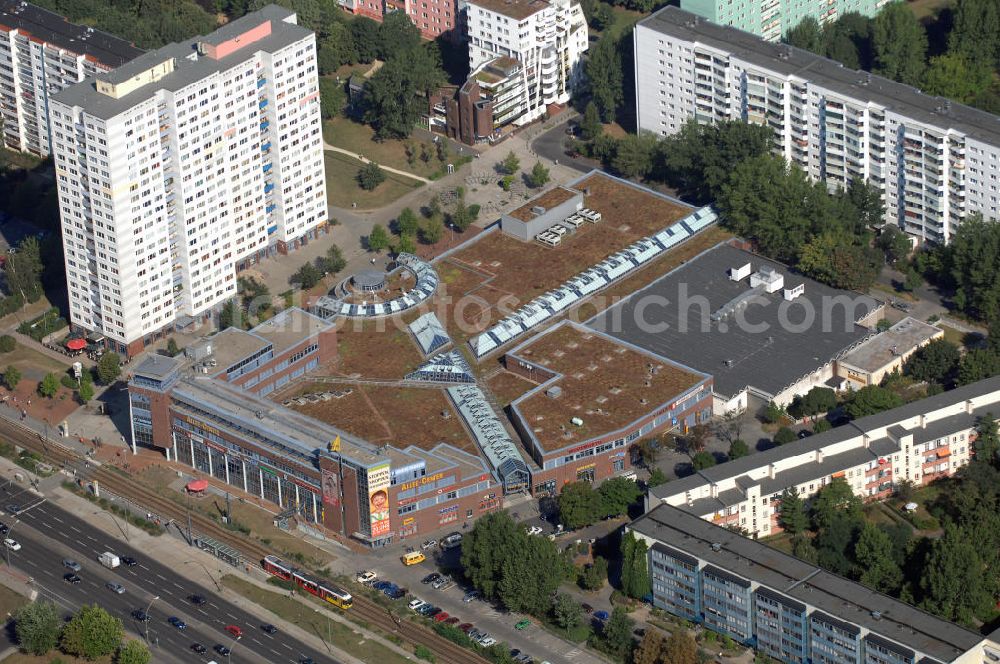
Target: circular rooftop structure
<point>369,281</point>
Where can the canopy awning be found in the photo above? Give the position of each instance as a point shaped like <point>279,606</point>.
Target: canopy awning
<point>197,485</point>
<point>76,344</point>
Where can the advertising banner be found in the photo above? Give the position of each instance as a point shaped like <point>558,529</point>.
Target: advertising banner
<point>331,488</point>
<point>379,479</point>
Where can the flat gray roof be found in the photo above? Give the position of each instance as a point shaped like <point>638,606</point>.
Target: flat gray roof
<point>901,338</point>
<point>289,328</point>
<point>157,366</point>
<point>736,354</point>
<point>189,67</point>
<point>900,623</point>
<point>832,75</point>
<point>54,29</point>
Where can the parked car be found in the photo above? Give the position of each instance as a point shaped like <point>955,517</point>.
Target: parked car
<point>428,544</point>
<point>367,577</point>
<point>415,604</point>
<point>601,615</point>
<point>523,624</point>
<point>140,615</point>
<point>222,650</point>
<point>441,617</point>
<point>470,596</point>
<point>12,544</point>
<point>398,593</point>
<point>452,621</point>
<point>488,642</point>
<point>535,530</point>
<point>4,528</point>
<point>434,612</point>
<point>466,627</point>
<point>430,578</point>
<point>426,609</point>
<point>441,583</point>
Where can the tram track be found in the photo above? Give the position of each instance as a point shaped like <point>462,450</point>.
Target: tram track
<point>170,511</point>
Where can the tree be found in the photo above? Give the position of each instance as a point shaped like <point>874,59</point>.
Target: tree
<point>952,578</point>
<point>821,426</point>
<point>395,96</point>
<point>594,575</point>
<point>702,460</point>
<point>23,269</point>
<point>566,611</point>
<point>834,500</point>
<point>407,244</point>
<point>590,123</point>
<point>603,16</point>
<point>972,263</point>
<point>378,239</point>
<point>332,263</point>
<point>783,436</point>
<point>49,386</point>
<point>306,277</point>
<point>37,627</point>
<point>539,175</point>
<point>900,44</point>
<point>936,362</point>
<point>134,652</point>
<point>635,567</point>
<point>407,222</point>
<point>836,259</point>
<point>806,35</point>
<point>605,77</point>
<point>652,646</point>
<point>656,478</point>
<point>895,244</point>
<point>579,505</point>
<point>773,413</point>
<point>987,439</point>
<point>432,230</point>
<point>876,566</point>
<point>617,633</point>
<point>397,36</point>
<point>231,315</point>
<point>370,176</point>
<point>510,164</point>
<point>85,391</point>
<point>332,98</point>
<point>975,32</point>
<point>817,400</point>
<point>645,452</point>
<point>92,633</point>
<point>978,364</point>
<point>680,648</point>
<point>792,512</point>
<point>172,348</point>
<point>617,494</point>
<point>738,449</point>
<point>956,77</point>
<point>461,216</point>
<point>365,36</point>
<point>871,399</point>
<point>634,155</point>
<point>11,377</point>
<point>833,543</point>
<point>7,343</point>
<point>803,549</point>
<point>697,437</point>
<point>848,40</point>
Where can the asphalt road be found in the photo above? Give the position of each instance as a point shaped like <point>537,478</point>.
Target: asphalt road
<point>552,145</point>
<point>48,535</point>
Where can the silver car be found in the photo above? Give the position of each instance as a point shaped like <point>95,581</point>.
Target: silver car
<point>72,564</point>
<point>116,588</point>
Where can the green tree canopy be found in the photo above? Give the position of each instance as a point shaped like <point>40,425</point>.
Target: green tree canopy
<point>952,580</point>
<point>134,652</point>
<point>635,566</point>
<point>605,77</point>
<point>681,648</point>
<point>109,368</point>
<point>510,163</point>
<point>978,364</point>
<point>92,633</point>
<point>871,399</point>
<point>37,627</point>
<point>651,649</point>
<point>617,494</point>
<point>11,377</point>
<point>703,460</point>
<point>783,436</point>
<point>370,176</point>
<point>806,35</point>
<point>876,563</point>
<point>833,500</point>
<point>975,32</point>
<point>817,400</point>
<point>590,123</point>
<point>579,505</point>
<point>634,155</point>
<point>792,512</point>
<point>407,222</point>
<point>306,277</point>
<point>378,238</point>
<point>23,270</point>
<point>432,229</point>
<point>956,77</point>
<point>900,44</point>
<point>566,611</point>
<point>972,261</point>
<point>7,343</point>
<point>738,449</point>
<point>49,386</point>
<point>394,97</point>
<point>617,633</point>
<point>936,362</point>
<point>397,36</point>
<point>987,439</point>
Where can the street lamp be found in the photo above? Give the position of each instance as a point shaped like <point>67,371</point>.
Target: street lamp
<point>148,607</point>
<point>218,585</point>
<point>328,636</point>
<point>123,531</point>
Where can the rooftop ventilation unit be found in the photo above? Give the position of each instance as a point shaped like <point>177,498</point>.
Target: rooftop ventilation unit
<point>538,210</point>
<point>771,280</point>
<point>792,293</point>
<point>739,273</point>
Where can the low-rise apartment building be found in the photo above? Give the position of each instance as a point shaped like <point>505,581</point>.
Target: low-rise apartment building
<point>933,161</point>
<point>786,608</point>
<point>770,19</point>
<point>919,442</point>
<point>183,166</point>
<point>40,54</point>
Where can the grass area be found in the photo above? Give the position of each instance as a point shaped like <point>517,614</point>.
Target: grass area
<point>926,8</point>
<point>52,658</point>
<point>10,601</point>
<point>342,189</point>
<point>32,363</point>
<point>624,20</point>
<point>313,620</point>
<point>258,520</point>
<point>19,159</point>
<point>345,133</point>
<point>954,336</point>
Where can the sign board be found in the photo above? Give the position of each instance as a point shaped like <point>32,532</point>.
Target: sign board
<point>379,479</point>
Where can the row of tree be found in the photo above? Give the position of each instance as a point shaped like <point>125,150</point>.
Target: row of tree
<point>580,505</point>
<point>954,574</point>
<point>91,633</point>
<point>959,64</point>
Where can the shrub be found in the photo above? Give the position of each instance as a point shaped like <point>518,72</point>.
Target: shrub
<point>7,343</point>
<point>424,653</point>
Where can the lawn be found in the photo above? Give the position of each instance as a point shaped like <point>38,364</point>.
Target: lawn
<point>343,191</point>
<point>381,348</point>
<point>507,386</point>
<point>10,601</point>
<point>927,8</point>
<point>315,620</point>
<point>954,336</point>
<point>624,20</point>
<point>345,133</point>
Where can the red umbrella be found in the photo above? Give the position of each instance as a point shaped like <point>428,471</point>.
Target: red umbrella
<point>76,344</point>
<point>197,485</point>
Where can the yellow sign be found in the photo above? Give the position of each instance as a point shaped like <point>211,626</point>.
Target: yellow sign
<point>335,445</point>
<point>407,521</point>
<point>430,479</point>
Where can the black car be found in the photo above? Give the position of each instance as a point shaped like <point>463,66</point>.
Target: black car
<point>14,509</point>
<point>268,628</point>
<point>3,528</point>
<point>71,578</point>
<point>197,600</point>
<point>430,578</point>
<point>198,648</point>
<point>140,615</point>
<point>129,561</point>
<point>222,650</point>
<point>306,660</point>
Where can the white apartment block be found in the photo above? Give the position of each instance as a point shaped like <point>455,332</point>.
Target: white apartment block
<point>546,37</point>
<point>919,442</point>
<point>183,166</point>
<point>933,161</point>
<point>40,54</point>
<point>771,19</point>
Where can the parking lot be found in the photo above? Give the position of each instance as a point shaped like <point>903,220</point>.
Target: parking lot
<point>442,596</point>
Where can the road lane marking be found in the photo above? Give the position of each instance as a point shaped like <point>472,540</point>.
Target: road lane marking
<point>287,647</point>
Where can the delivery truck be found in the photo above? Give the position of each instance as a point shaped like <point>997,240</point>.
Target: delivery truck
<point>109,560</point>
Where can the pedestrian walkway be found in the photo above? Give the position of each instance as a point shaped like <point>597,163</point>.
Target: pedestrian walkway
<point>365,160</point>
